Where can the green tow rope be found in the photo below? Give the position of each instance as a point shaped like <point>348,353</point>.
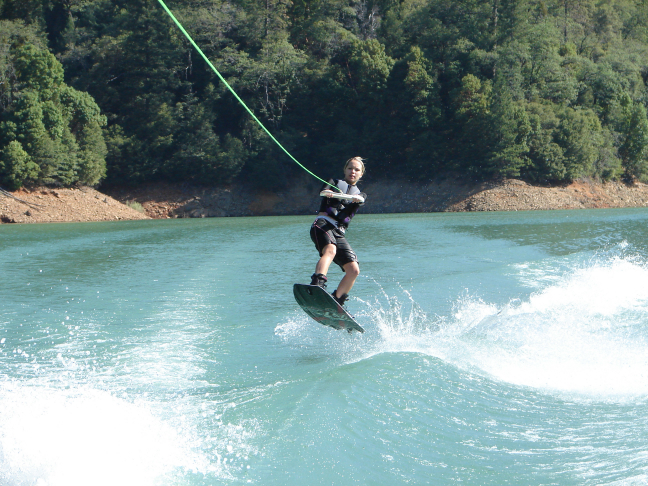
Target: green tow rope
<point>234,93</point>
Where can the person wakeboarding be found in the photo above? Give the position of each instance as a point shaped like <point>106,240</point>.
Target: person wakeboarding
<point>329,228</point>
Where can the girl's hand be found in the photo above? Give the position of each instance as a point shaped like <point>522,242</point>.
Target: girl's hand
<point>327,193</point>
<point>357,199</point>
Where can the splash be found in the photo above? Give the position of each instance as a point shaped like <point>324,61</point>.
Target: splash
<point>400,323</point>
<point>395,323</point>
<point>585,333</point>
<point>51,437</point>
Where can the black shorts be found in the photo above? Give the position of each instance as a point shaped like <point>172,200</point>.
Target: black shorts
<point>324,233</point>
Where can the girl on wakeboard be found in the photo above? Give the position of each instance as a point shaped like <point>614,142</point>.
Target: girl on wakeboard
<point>329,228</point>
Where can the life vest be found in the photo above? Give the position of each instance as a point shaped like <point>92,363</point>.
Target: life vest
<point>347,188</point>
<point>341,211</point>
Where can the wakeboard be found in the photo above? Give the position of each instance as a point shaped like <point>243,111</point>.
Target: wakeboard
<point>322,307</point>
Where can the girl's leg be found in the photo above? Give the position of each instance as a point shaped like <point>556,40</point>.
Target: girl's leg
<point>351,272</point>
<point>328,254</point>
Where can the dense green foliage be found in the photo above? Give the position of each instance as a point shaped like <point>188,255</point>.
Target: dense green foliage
<point>49,132</point>
<point>547,90</point>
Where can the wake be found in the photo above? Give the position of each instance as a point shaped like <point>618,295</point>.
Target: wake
<point>583,332</point>
<point>586,333</point>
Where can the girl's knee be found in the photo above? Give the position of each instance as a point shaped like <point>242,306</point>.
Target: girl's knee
<point>352,269</point>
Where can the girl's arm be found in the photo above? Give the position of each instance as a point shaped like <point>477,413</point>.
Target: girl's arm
<point>354,198</point>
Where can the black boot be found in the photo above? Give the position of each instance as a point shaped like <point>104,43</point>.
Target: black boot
<point>319,279</point>
<point>340,300</point>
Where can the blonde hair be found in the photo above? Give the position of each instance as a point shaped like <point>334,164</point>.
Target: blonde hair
<point>357,159</point>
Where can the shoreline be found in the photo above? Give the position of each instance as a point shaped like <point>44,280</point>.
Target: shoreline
<point>162,200</point>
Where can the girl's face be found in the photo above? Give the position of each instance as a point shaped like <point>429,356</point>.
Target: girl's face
<point>353,172</point>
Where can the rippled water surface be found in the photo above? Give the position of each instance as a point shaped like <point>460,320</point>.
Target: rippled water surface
<point>501,348</point>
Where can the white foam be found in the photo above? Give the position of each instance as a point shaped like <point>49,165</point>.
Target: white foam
<point>587,334</point>
<point>54,437</point>
<point>584,331</point>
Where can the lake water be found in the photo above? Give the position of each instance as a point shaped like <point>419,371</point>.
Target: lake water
<point>501,348</point>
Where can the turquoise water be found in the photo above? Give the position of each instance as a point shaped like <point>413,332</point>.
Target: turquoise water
<point>501,348</point>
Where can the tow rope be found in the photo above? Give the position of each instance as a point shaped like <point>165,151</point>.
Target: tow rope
<point>182,29</point>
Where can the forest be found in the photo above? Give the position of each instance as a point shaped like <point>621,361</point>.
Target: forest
<point>110,92</point>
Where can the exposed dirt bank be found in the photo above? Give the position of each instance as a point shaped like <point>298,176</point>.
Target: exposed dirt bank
<point>44,205</point>
<point>386,197</point>
<point>41,205</point>
<point>514,195</point>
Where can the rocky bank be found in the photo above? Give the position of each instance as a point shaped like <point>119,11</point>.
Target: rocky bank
<point>386,197</point>
<point>46,205</point>
<point>38,205</point>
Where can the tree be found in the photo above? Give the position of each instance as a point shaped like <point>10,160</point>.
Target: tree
<point>471,141</point>
<point>580,136</point>
<point>510,130</point>
<point>16,166</point>
<point>59,128</point>
<point>199,154</point>
<point>414,105</point>
<point>547,160</point>
<point>634,147</point>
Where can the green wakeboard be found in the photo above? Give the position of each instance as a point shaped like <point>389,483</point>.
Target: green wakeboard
<point>322,307</point>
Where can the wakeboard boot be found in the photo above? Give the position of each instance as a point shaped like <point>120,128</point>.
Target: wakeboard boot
<point>340,300</point>
<point>319,279</point>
